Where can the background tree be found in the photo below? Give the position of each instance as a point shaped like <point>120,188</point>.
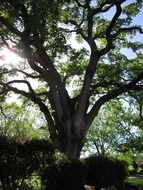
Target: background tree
<point>16,122</point>
<point>39,31</point>
<point>114,130</point>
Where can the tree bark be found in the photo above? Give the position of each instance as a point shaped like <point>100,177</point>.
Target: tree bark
<point>72,138</point>
<point>72,149</point>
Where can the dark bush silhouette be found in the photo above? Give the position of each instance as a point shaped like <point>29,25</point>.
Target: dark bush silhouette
<point>104,172</point>
<point>66,175</point>
<point>120,173</point>
<point>19,161</point>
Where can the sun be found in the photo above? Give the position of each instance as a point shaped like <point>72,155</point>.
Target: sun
<point>8,57</point>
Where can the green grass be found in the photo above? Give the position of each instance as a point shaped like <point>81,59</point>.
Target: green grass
<point>135,180</point>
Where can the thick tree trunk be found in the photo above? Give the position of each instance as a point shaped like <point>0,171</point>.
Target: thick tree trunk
<point>73,149</point>
<point>73,138</point>
<point>71,146</point>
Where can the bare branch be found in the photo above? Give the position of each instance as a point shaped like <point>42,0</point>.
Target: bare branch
<point>27,74</point>
<point>22,81</point>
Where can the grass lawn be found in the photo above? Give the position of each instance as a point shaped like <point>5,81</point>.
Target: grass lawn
<point>135,180</point>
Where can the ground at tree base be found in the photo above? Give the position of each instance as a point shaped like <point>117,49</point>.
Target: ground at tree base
<point>128,187</point>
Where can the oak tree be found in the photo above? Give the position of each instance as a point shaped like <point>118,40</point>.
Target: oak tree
<point>40,32</point>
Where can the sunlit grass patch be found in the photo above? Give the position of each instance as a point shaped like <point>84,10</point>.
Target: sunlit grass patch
<point>135,180</point>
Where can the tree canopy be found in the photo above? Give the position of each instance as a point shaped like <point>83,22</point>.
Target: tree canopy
<point>115,131</point>
<point>40,32</point>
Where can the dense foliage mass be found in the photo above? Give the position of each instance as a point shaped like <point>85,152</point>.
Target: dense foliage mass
<point>105,172</point>
<point>19,163</point>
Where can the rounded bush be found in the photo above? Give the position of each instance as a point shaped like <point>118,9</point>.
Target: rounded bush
<point>66,175</point>
<point>104,172</point>
<point>120,170</point>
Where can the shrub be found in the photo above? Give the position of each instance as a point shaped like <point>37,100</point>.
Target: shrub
<point>19,161</point>
<point>120,170</point>
<point>104,172</point>
<point>66,175</point>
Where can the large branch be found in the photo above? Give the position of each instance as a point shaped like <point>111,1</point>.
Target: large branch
<point>109,30</point>
<point>23,82</point>
<point>53,75</point>
<point>6,23</point>
<point>46,75</point>
<point>27,74</point>
<point>100,9</point>
<point>85,92</point>
<point>114,20</point>
<point>83,100</point>
<point>111,95</point>
<point>46,68</point>
<point>128,29</point>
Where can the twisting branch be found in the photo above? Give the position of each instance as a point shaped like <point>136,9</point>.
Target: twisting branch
<point>101,6</point>
<point>114,19</point>
<point>34,98</point>
<point>27,74</point>
<point>111,95</point>
<point>46,68</point>
<point>129,29</point>
<point>20,71</point>
<point>22,81</point>
<point>54,79</point>
<point>109,36</point>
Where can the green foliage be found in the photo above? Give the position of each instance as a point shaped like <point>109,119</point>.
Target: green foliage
<point>113,131</point>
<point>70,81</point>
<point>131,9</point>
<point>75,64</point>
<point>135,181</point>
<point>18,122</point>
